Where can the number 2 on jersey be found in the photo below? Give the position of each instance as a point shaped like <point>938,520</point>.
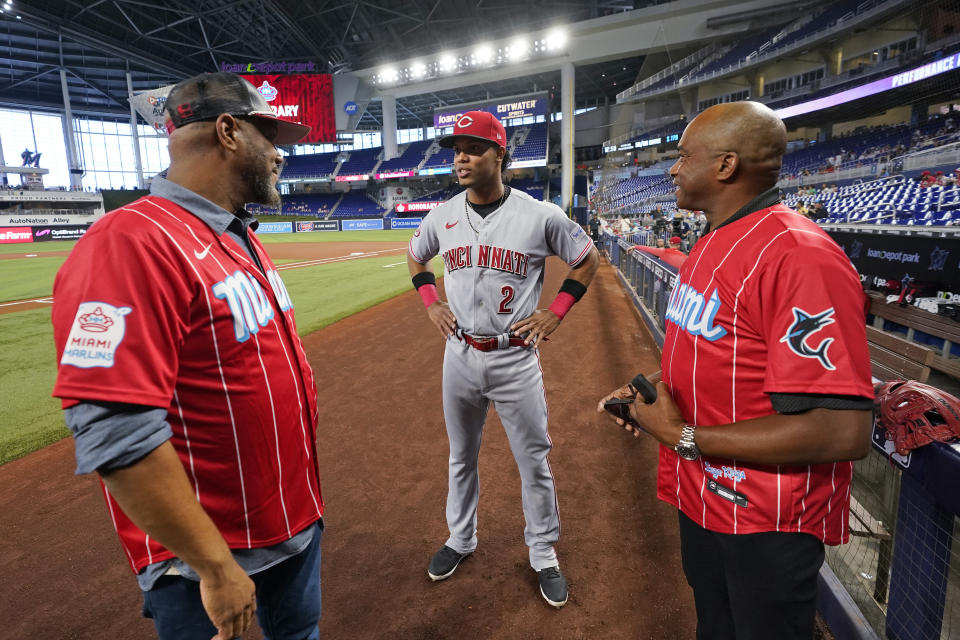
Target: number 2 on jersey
<point>507,293</point>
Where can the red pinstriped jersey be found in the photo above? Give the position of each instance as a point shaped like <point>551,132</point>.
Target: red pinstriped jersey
<point>153,308</point>
<point>767,303</point>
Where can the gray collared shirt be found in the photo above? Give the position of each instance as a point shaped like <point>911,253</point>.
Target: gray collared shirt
<point>214,216</point>
<point>110,436</point>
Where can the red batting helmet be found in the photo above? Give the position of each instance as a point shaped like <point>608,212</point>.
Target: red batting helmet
<point>915,414</point>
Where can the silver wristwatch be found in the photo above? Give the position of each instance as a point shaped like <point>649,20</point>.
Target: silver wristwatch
<point>687,448</point>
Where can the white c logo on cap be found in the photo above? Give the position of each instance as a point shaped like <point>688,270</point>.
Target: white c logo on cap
<point>465,121</point>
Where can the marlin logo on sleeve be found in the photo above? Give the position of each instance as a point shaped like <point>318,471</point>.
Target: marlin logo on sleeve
<point>805,325</point>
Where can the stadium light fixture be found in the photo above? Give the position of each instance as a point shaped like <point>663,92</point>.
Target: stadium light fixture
<point>518,49</point>
<point>417,69</point>
<point>483,54</point>
<point>556,39</point>
<point>448,63</point>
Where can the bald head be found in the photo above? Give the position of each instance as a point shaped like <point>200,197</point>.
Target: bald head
<point>749,129</point>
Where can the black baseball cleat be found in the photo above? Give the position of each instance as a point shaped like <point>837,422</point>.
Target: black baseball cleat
<point>444,563</point>
<point>553,586</point>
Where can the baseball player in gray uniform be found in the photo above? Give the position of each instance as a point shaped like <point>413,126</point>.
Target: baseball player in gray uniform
<point>494,242</point>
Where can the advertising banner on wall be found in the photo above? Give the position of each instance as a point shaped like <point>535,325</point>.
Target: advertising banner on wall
<point>275,227</point>
<point>508,108</point>
<point>893,256</point>
<point>45,234</point>
<point>12,235</point>
<point>423,205</point>
<point>277,66</point>
<point>435,171</point>
<point>307,99</point>
<point>12,219</point>
<point>394,174</point>
<point>405,223</point>
<point>318,225</point>
<point>362,225</point>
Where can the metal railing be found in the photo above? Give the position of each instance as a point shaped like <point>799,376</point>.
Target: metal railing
<point>685,63</point>
<point>864,12</point>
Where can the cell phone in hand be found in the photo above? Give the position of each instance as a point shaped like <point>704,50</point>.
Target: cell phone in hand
<point>646,390</point>
<point>620,408</point>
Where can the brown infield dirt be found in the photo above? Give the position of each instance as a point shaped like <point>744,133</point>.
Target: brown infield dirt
<point>383,461</point>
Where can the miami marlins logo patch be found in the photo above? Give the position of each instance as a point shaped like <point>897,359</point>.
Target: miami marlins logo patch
<point>805,325</point>
<point>97,331</point>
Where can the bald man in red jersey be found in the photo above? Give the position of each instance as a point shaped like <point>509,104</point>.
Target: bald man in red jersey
<point>765,394</point>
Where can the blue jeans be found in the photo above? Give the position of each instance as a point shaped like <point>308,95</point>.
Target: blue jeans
<point>288,601</point>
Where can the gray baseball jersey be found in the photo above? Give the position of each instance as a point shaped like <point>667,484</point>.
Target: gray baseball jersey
<point>493,267</point>
<point>493,275</point>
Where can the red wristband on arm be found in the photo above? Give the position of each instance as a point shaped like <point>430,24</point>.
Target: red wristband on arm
<point>562,304</point>
<point>428,293</point>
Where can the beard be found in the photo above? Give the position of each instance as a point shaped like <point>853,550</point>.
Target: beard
<point>257,175</point>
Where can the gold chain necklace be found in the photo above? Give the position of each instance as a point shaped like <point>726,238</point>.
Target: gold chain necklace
<point>466,209</point>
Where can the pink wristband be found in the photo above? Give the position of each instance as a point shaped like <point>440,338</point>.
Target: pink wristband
<point>428,293</point>
<point>562,304</point>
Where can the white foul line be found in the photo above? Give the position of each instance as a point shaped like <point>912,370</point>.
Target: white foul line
<point>311,263</point>
<point>40,300</point>
<point>282,267</point>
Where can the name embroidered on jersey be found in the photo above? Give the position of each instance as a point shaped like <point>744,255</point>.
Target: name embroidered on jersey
<point>731,473</point>
<point>687,310</point>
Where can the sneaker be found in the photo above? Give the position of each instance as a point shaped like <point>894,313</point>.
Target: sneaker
<point>553,586</point>
<point>444,563</point>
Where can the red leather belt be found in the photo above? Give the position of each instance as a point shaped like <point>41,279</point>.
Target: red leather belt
<point>490,344</point>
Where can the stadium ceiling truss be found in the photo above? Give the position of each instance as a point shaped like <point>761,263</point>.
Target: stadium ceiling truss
<point>97,42</point>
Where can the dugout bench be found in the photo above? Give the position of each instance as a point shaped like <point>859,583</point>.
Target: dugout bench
<point>913,319</point>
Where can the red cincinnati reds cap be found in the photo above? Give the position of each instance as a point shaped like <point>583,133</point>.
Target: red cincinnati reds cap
<point>482,125</point>
<point>206,96</point>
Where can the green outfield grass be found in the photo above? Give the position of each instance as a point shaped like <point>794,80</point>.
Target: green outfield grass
<point>36,247</point>
<point>28,277</point>
<point>32,419</point>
